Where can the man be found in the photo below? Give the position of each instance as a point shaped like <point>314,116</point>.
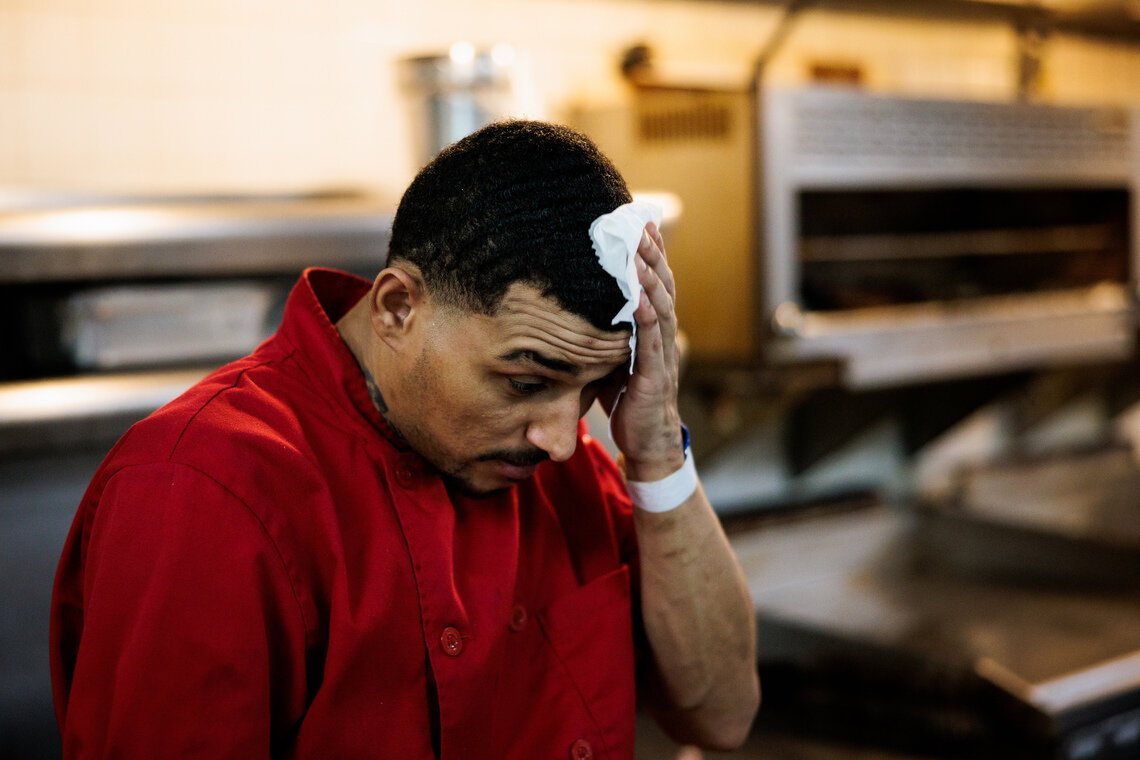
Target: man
<point>386,534</point>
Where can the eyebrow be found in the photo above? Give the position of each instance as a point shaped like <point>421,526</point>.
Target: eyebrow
<point>525,354</point>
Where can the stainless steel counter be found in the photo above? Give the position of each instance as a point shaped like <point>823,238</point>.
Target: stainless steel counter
<point>61,413</point>
<point>117,238</point>
<point>56,250</point>
<point>868,633</point>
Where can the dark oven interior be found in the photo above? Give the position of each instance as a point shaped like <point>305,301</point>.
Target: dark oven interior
<point>868,248</point>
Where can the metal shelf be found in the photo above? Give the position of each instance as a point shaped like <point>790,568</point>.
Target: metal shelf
<point>1083,238</point>
<point>190,237</point>
<point>55,413</point>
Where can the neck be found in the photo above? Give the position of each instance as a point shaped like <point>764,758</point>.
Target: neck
<point>355,329</point>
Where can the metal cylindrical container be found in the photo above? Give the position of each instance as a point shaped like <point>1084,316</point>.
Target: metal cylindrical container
<point>455,94</point>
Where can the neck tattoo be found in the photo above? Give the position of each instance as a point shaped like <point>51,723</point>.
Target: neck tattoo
<point>374,392</point>
<point>378,400</point>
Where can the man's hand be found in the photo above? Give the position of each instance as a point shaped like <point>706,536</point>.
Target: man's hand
<point>646,425</point>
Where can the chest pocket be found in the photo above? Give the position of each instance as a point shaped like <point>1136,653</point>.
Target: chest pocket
<point>583,706</point>
<point>589,637</point>
<point>577,701</point>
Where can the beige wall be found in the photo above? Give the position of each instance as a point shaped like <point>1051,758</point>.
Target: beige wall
<point>175,95</point>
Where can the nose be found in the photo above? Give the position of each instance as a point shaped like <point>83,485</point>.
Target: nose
<point>555,428</point>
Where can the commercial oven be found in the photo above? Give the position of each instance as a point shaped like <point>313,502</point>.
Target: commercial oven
<point>907,239</point>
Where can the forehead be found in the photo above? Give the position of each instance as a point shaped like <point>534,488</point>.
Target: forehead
<point>527,321</point>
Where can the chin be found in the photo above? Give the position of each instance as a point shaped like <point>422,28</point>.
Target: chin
<point>474,490</point>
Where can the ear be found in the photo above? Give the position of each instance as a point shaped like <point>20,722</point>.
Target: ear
<point>396,298</point>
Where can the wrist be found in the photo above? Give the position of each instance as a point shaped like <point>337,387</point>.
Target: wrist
<point>651,471</point>
<point>665,493</point>
<point>668,461</point>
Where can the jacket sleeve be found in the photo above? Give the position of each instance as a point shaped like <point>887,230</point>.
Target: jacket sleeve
<point>191,642</point>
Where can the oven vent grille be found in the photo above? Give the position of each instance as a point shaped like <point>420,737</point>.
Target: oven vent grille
<point>846,128</point>
<point>678,120</point>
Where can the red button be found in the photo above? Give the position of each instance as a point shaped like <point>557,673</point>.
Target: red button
<point>518,618</point>
<point>581,750</point>
<point>405,475</point>
<point>451,641</point>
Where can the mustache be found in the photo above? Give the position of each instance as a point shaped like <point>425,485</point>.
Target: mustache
<point>520,457</point>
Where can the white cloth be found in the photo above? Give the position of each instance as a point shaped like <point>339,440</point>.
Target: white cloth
<point>616,236</point>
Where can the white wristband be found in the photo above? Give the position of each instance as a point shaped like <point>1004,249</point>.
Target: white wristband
<point>668,493</point>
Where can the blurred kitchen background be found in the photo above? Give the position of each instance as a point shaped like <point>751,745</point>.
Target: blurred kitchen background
<point>905,238</point>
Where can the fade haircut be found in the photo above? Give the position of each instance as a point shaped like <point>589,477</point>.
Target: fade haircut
<point>511,203</point>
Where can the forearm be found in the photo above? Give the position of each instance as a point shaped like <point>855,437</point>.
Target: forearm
<point>698,615</point>
<point>700,623</point>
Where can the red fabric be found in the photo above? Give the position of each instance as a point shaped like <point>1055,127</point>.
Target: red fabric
<point>259,570</point>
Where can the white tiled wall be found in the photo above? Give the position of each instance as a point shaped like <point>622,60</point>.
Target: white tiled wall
<point>211,95</point>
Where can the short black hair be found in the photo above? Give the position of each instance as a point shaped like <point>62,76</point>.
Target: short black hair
<point>512,202</point>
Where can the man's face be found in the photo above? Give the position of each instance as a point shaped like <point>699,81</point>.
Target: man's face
<point>490,397</point>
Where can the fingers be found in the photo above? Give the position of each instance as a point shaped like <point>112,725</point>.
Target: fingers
<point>656,280</point>
<point>646,414</point>
<point>652,359</point>
<point>652,250</point>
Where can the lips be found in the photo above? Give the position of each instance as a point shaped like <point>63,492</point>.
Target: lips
<point>513,471</point>
<point>515,464</point>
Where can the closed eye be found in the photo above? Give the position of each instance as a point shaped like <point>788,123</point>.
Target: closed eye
<point>526,388</point>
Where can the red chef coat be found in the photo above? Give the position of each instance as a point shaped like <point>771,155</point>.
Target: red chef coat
<point>260,569</point>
